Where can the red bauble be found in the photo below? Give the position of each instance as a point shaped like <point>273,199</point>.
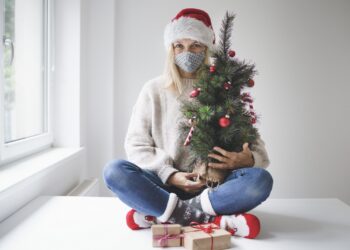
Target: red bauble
<point>253,121</point>
<point>227,85</point>
<point>212,68</point>
<point>251,83</point>
<point>224,121</point>
<point>195,92</point>
<point>231,53</point>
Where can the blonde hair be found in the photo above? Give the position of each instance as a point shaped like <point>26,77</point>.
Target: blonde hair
<point>172,74</point>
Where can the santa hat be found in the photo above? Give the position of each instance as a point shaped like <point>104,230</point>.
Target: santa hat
<point>190,23</point>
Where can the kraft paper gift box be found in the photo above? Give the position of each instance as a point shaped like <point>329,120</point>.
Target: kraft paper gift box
<point>198,237</point>
<point>166,235</point>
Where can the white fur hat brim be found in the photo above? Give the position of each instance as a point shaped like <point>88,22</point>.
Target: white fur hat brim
<point>190,28</point>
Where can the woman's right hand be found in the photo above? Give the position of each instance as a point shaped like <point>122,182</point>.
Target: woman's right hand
<point>185,182</point>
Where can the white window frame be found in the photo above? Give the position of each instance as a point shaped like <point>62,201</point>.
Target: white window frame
<point>13,151</point>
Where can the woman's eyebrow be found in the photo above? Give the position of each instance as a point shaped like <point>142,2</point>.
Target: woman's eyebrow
<point>196,42</point>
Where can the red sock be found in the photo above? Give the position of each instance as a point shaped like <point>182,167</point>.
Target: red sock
<point>243,225</point>
<point>136,220</point>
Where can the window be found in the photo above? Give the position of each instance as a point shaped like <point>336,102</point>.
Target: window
<point>24,77</point>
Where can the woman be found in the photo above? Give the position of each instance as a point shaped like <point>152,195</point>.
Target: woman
<point>155,180</point>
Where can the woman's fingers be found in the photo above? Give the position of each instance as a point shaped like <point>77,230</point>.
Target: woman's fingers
<point>218,157</point>
<point>183,181</point>
<point>194,185</point>
<point>221,151</point>
<point>246,147</point>
<point>190,175</point>
<point>191,183</point>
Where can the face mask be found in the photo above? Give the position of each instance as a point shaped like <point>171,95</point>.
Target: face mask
<point>189,61</point>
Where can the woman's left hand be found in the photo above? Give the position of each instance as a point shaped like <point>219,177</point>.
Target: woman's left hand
<point>232,160</point>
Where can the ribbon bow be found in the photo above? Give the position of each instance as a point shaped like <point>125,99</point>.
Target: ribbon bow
<point>209,229</point>
<point>163,239</point>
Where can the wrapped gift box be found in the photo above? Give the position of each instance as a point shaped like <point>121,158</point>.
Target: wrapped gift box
<point>166,235</point>
<point>200,237</point>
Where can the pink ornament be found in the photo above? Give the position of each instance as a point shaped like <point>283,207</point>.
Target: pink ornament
<point>195,92</point>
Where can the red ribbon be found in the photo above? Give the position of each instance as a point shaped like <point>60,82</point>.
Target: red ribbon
<point>206,227</point>
<point>209,229</point>
<point>163,239</point>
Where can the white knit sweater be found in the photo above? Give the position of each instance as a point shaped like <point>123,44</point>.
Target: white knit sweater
<point>152,139</point>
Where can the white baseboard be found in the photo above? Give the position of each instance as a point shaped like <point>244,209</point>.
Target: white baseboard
<point>88,187</point>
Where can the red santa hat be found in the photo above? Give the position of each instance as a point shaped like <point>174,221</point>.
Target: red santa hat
<point>190,23</point>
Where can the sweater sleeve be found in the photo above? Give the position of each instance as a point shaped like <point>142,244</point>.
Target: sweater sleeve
<point>139,145</point>
<point>261,158</point>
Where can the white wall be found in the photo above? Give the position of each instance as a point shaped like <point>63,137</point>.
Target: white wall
<point>67,82</point>
<point>301,52</point>
<point>98,77</point>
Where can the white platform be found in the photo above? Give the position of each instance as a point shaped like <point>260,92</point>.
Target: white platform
<point>98,223</point>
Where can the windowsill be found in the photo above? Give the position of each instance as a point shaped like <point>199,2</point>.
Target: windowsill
<point>15,172</point>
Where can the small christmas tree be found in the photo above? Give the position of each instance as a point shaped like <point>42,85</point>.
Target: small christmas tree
<point>219,112</point>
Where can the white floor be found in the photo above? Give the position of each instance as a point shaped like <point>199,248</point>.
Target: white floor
<point>98,223</point>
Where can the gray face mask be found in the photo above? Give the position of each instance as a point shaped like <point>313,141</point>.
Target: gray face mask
<point>189,61</point>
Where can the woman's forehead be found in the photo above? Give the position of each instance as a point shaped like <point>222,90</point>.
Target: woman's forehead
<point>186,41</point>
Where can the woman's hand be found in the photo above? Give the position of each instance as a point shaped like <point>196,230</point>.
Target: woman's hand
<point>232,160</point>
<point>184,181</point>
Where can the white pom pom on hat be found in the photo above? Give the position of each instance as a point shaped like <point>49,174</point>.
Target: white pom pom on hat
<point>192,24</point>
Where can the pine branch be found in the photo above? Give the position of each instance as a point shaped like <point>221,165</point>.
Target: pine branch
<point>225,33</point>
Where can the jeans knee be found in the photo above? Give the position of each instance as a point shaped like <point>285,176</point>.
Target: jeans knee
<point>265,182</point>
<point>262,184</point>
<point>114,171</point>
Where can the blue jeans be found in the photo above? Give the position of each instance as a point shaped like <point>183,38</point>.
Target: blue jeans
<point>242,190</point>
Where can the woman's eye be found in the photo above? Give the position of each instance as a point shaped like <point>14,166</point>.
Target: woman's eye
<point>179,46</point>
